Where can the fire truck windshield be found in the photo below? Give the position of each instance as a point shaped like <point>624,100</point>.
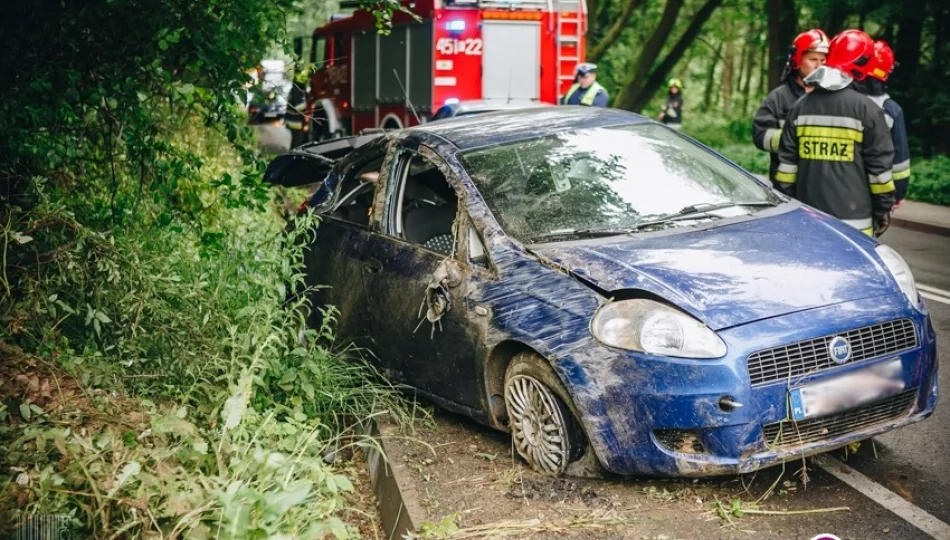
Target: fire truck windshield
<point>605,179</point>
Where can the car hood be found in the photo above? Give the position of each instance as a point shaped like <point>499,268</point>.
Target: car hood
<point>738,273</point>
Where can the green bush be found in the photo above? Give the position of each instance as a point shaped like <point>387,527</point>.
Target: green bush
<point>930,181</point>
<point>146,271</point>
<point>732,137</point>
<point>185,330</point>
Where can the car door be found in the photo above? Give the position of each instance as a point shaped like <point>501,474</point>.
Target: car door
<point>335,259</point>
<point>420,313</point>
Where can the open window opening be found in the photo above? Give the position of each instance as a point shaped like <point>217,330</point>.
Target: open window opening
<point>427,207</point>
<point>357,192</point>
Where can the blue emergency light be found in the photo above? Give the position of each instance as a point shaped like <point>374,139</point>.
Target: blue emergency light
<point>455,26</point>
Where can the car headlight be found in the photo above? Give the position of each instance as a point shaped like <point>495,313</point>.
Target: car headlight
<point>654,328</point>
<point>901,272</point>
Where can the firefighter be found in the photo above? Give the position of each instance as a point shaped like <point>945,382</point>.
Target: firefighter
<point>586,90</point>
<point>879,70</point>
<point>808,52</point>
<point>672,111</point>
<point>835,152</point>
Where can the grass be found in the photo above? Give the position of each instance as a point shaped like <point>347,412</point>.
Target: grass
<point>156,383</point>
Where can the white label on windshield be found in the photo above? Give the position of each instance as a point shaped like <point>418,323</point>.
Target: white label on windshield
<point>561,183</point>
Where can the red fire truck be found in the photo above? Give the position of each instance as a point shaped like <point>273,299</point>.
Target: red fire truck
<point>522,50</point>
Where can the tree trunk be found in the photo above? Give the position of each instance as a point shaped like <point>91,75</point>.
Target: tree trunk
<point>710,78</point>
<point>743,65</point>
<point>636,101</point>
<point>750,64</point>
<point>728,66</point>
<point>907,48</point>
<point>592,7</point>
<point>635,80</point>
<point>783,21</point>
<point>599,48</point>
<point>835,18</point>
<point>940,33</point>
<point>764,71</point>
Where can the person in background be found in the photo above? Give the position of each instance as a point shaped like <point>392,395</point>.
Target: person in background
<point>836,153</point>
<point>879,70</point>
<point>586,90</point>
<point>808,53</point>
<point>672,112</point>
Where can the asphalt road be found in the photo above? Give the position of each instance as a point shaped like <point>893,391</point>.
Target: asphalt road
<point>914,462</point>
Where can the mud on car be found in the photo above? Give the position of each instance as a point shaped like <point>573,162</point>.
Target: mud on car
<point>613,293</point>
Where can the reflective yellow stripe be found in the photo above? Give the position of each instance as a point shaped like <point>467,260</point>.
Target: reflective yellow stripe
<point>900,175</point>
<point>877,189</point>
<point>832,132</point>
<point>869,231</point>
<point>771,139</point>
<point>787,178</point>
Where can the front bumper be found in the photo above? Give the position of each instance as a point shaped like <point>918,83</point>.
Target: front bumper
<point>668,416</point>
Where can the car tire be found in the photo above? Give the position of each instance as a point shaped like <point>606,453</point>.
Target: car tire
<point>544,430</point>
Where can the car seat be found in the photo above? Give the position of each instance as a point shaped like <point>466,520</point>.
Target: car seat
<point>431,227</point>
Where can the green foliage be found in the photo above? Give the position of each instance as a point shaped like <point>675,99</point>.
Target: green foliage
<point>930,181</point>
<point>732,137</point>
<point>144,267</point>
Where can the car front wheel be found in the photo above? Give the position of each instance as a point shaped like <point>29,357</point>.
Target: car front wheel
<point>543,428</point>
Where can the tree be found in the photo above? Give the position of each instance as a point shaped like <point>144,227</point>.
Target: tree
<point>783,22</point>
<point>642,82</point>
<point>601,46</point>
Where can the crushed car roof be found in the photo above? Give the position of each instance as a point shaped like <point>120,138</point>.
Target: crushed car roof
<point>502,127</point>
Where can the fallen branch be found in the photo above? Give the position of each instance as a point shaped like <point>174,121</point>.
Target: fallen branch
<point>796,512</point>
<point>520,528</point>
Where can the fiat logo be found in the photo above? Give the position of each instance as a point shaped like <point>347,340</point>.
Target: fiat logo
<point>839,349</point>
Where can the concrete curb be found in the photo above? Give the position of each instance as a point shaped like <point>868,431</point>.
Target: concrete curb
<point>920,226</point>
<point>399,512</point>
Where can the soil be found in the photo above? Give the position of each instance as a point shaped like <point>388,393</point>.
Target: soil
<point>361,511</point>
<point>466,476</point>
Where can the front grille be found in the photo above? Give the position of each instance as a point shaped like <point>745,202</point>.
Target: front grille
<point>810,356</point>
<point>789,434</point>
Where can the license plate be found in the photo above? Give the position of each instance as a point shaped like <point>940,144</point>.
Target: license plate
<point>875,382</point>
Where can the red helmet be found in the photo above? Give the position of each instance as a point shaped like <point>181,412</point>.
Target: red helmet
<point>812,40</point>
<point>851,53</point>
<point>882,63</point>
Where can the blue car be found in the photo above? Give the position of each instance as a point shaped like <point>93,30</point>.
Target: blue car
<point>615,295</point>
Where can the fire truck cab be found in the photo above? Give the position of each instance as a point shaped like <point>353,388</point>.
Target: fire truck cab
<point>463,50</point>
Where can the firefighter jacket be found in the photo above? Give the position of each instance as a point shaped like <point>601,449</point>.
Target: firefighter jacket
<point>836,154</point>
<point>894,115</point>
<point>595,95</point>
<point>673,109</point>
<point>770,118</point>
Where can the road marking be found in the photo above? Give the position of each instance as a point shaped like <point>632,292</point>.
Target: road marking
<point>935,298</point>
<point>933,290</point>
<point>933,293</point>
<point>916,516</point>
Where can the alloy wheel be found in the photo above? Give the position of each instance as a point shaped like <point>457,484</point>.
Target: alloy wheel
<point>538,427</point>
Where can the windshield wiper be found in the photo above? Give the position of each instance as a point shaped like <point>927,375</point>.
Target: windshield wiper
<point>690,212</point>
<point>697,210</point>
<point>581,233</point>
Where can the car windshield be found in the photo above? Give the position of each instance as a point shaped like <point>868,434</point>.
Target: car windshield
<point>608,181</point>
